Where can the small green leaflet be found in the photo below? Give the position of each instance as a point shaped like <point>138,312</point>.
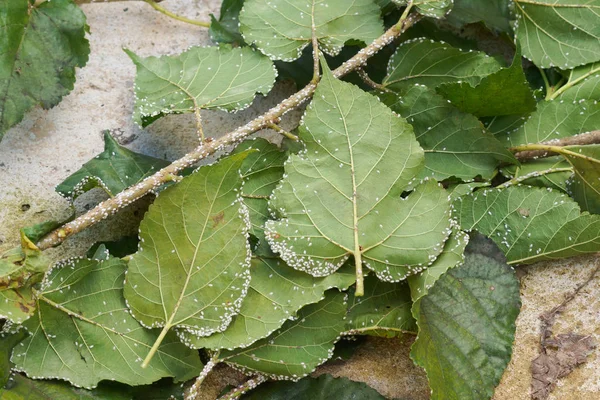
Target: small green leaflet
<point>7,342</point>
<point>552,172</point>
<point>555,120</point>
<point>383,311</point>
<point>530,224</point>
<point>113,170</point>
<point>226,29</point>
<point>559,33</point>
<point>325,387</point>
<point>222,78</point>
<point>82,331</point>
<point>466,328</point>
<point>35,71</point>
<point>503,92</point>
<point>341,196</point>
<point>429,8</point>
<point>191,270</point>
<point>299,346</point>
<point>455,143</point>
<point>276,293</point>
<point>584,187</point>
<point>495,14</point>
<point>285,36</point>
<point>452,256</point>
<point>432,63</point>
<point>583,84</point>
<point>261,170</point>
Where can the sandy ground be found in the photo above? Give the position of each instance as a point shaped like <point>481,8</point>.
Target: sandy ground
<point>49,145</point>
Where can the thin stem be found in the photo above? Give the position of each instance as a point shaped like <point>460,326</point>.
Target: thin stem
<point>133,193</point>
<point>518,179</point>
<point>404,15</point>
<point>315,46</point>
<point>577,140</point>
<point>194,391</point>
<point>243,388</point>
<point>168,13</point>
<point>283,132</point>
<point>367,80</point>
<point>572,83</point>
<point>546,82</point>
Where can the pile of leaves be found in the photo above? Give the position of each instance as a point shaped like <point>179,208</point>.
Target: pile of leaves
<point>359,224</point>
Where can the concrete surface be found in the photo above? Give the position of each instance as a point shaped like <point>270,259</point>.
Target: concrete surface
<point>49,145</point>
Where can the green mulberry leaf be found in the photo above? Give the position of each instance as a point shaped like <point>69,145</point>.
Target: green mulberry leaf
<point>452,256</point>
<point>555,120</point>
<point>466,328</point>
<point>276,293</point>
<point>558,33</point>
<point>429,8</point>
<point>342,195</point>
<point>222,78</point>
<point>530,224</point>
<point>383,311</point>
<point>503,92</point>
<point>41,46</point>
<point>584,186</point>
<point>281,29</point>
<point>82,331</point>
<point>495,14</point>
<point>114,170</point>
<point>261,170</point>
<point>455,143</point>
<point>17,305</point>
<point>191,270</point>
<point>432,63</point>
<point>299,346</point>
<point>227,28</point>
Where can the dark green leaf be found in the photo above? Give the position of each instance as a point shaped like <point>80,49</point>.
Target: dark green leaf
<point>530,224</point>
<point>40,47</point>
<point>585,184</point>
<point>325,387</point>
<point>504,92</point>
<point>120,248</point>
<point>7,342</point>
<point>83,332</point>
<point>495,14</point>
<point>455,143</point>
<point>466,328</point>
<point>299,346</point>
<point>383,311</point>
<point>114,170</point>
<point>227,28</point>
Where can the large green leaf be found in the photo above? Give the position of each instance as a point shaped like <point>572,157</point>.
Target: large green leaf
<point>452,256</point>
<point>559,33</point>
<point>455,143</point>
<point>299,346</point>
<point>222,78</point>
<point>429,8</point>
<point>555,120</point>
<point>192,268</point>
<point>583,84</point>
<point>324,387</point>
<point>432,63</point>
<point>113,170</point>
<point>82,331</point>
<point>261,170</point>
<point>552,172</point>
<point>342,196</point>
<point>530,224</point>
<point>282,28</point>
<point>383,311</point>
<point>227,28</point>
<point>504,92</point>
<point>40,47</point>
<point>466,328</point>
<point>276,293</point>
<point>585,184</point>
<point>495,14</point>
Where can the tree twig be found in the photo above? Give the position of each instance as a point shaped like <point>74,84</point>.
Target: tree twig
<point>527,152</point>
<point>195,389</point>
<point>168,13</point>
<point>243,388</point>
<point>133,193</point>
